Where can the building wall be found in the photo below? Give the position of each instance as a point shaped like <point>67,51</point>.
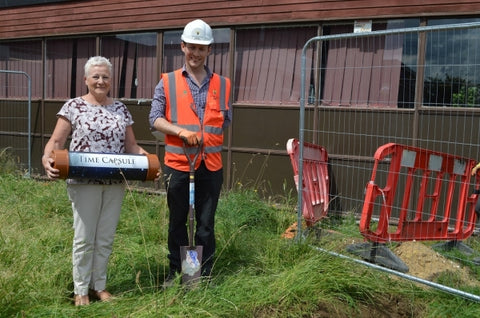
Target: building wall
<point>255,145</point>
<point>77,17</point>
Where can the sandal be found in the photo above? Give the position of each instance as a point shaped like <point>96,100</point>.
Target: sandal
<point>82,300</point>
<point>101,295</point>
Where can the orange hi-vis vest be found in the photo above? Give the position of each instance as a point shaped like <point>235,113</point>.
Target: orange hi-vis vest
<point>180,110</point>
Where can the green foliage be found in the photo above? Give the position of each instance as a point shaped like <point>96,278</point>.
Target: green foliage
<point>466,96</point>
<point>451,91</point>
<point>257,273</point>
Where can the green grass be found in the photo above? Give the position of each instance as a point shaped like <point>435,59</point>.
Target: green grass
<point>256,274</point>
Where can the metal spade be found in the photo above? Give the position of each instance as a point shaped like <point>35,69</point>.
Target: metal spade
<point>191,256</point>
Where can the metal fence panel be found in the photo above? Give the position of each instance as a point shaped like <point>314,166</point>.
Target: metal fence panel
<point>413,86</point>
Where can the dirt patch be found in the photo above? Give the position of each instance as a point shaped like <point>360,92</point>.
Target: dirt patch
<point>424,262</point>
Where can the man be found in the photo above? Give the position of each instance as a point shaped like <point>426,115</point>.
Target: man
<point>191,105</point>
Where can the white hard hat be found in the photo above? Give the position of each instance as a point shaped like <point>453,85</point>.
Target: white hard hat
<point>197,32</point>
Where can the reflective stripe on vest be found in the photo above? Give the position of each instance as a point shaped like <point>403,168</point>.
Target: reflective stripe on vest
<point>180,111</point>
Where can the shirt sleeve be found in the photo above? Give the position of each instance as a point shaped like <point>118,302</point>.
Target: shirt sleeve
<point>158,103</point>
<point>128,116</point>
<point>65,111</point>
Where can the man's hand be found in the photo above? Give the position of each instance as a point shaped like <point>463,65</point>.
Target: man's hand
<point>474,170</point>
<point>189,137</point>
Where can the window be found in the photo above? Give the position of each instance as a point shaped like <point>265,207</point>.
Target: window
<point>369,71</point>
<point>22,56</point>
<point>452,66</point>
<point>134,63</point>
<point>65,60</point>
<point>173,57</point>
<point>268,64</point>
<point>6,3</point>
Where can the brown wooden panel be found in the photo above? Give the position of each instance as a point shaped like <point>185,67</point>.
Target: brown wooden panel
<point>366,73</point>
<point>375,80</point>
<point>391,70</point>
<point>346,90</point>
<point>127,15</point>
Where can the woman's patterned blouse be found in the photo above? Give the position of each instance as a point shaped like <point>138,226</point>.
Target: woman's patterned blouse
<point>96,128</point>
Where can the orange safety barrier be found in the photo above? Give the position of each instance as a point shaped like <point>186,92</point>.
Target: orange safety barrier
<point>421,190</point>
<point>315,185</point>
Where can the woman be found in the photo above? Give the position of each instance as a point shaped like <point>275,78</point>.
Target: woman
<point>96,123</point>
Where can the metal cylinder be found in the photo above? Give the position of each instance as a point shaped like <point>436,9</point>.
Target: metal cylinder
<point>89,165</point>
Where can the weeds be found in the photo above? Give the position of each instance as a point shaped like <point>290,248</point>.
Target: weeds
<point>7,161</point>
<point>257,273</point>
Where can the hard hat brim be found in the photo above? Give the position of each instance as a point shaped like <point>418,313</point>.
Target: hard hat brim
<point>200,42</point>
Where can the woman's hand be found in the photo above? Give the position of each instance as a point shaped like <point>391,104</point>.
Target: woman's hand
<point>48,164</point>
<point>57,141</point>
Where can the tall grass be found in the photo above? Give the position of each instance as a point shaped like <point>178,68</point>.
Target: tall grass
<point>7,161</point>
<point>257,273</point>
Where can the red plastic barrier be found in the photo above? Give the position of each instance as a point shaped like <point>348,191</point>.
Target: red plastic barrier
<point>315,189</point>
<point>421,189</point>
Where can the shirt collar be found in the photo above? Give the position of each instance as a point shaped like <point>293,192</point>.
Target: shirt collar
<point>185,73</point>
